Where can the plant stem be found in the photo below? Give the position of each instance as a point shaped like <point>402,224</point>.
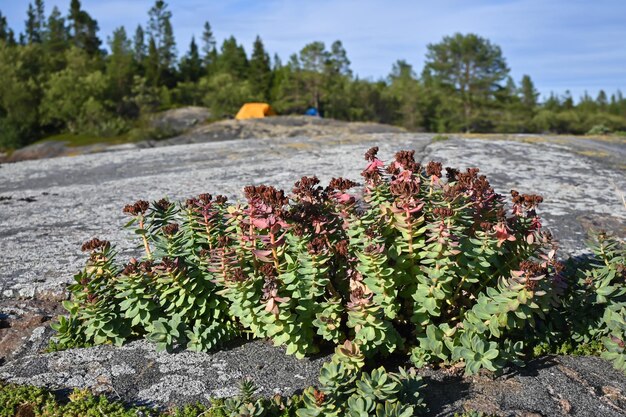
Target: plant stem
<point>274,253</point>
<point>145,239</point>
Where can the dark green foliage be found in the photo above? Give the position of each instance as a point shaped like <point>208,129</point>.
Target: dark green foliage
<point>21,91</point>
<point>471,68</point>
<point>260,71</point>
<point>162,46</point>
<point>595,302</point>
<point>139,45</point>
<point>232,59</point>
<point>112,97</point>
<point>6,34</point>
<point>56,39</point>
<point>83,29</point>
<point>209,52</point>
<point>35,22</point>
<point>120,68</point>
<point>191,64</point>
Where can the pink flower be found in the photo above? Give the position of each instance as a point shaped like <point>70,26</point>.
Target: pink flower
<point>343,198</point>
<point>502,234</point>
<point>374,165</point>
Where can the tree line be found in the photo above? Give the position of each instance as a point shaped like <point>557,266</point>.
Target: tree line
<point>57,76</point>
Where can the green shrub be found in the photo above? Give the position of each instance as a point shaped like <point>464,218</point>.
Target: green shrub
<point>420,264</point>
<point>346,390</point>
<point>594,306</point>
<point>599,130</point>
<point>145,132</point>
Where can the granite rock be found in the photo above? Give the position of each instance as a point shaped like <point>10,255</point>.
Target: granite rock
<point>49,207</point>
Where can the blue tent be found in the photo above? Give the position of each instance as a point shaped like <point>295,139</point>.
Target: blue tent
<point>312,111</point>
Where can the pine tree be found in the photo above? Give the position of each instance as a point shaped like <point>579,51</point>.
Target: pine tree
<point>404,92</point>
<point>568,100</point>
<point>139,45</point>
<point>55,41</point>
<point>209,52</point>
<point>167,51</point>
<point>56,34</point>
<point>160,30</point>
<point>4,28</point>
<point>40,13</point>
<point>314,60</point>
<point>278,63</point>
<point>120,66</point>
<point>601,100</point>
<point>191,64</point>
<point>40,18</point>
<point>338,61</point>
<point>83,29</point>
<point>153,72</point>
<point>336,79</point>
<point>33,25</point>
<point>260,73</point>
<point>471,68</point>
<point>529,93</point>
<point>233,59</point>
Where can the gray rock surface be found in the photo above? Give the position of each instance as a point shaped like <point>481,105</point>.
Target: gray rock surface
<point>137,373</point>
<point>551,386</point>
<point>274,127</point>
<point>57,204</point>
<point>49,149</point>
<point>49,207</point>
<point>188,125</point>
<point>177,121</point>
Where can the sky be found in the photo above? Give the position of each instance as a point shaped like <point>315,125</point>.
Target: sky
<point>576,45</point>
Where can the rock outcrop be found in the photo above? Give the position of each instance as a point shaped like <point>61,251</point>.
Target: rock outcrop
<point>177,121</point>
<point>275,127</point>
<point>49,207</point>
<point>136,373</point>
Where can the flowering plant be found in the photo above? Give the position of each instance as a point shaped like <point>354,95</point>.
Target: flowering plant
<point>424,262</point>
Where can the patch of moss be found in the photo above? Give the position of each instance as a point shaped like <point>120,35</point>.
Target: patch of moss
<point>75,140</point>
<point>29,401</point>
<point>593,153</point>
<point>593,348</point>
<point>440,138</point>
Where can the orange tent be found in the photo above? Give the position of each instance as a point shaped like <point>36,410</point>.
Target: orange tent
<point>255,111</point>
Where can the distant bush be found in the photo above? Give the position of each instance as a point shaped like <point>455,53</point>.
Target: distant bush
<point>151,133</point>
<point>599,130</point>
<point>440,138</point>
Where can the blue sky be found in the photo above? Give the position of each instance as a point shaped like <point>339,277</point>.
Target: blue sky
<point>563,44</point>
